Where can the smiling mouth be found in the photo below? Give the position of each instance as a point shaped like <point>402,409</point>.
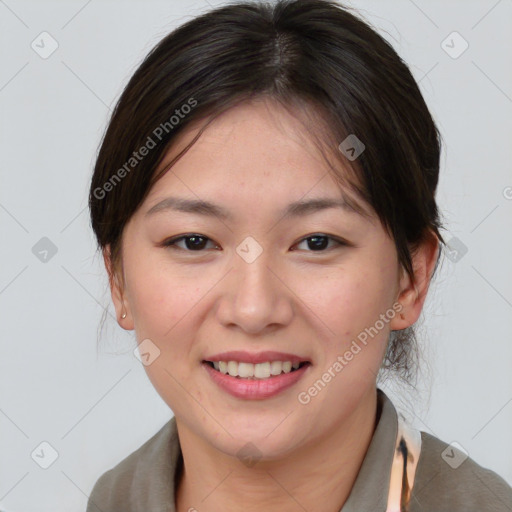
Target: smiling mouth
<point>256,371</point>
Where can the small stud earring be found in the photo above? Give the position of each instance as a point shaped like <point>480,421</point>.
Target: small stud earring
<point>401,316</point>
<point>123,315</point>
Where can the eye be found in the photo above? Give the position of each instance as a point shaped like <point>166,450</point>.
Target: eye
<point>194,242</point>
<point>319,242</point>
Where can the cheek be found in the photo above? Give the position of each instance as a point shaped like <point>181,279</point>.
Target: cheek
<point>352,297</point>
<point>162,304</point>
<point>162,308</point>
<point>159,296</point>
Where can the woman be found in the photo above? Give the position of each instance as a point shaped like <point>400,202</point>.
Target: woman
<point>264,198</point>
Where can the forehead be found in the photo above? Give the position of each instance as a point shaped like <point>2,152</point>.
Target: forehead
<point>257,149</point>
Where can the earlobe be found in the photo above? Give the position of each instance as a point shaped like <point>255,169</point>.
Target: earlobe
<point>117,291</point>
<point>406,299</point>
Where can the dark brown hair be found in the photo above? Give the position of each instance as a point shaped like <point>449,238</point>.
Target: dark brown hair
<point>318,60</point>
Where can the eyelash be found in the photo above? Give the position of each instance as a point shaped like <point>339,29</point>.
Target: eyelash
<point>171,242</point>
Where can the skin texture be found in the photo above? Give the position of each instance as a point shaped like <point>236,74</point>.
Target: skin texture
<point>254,160</point>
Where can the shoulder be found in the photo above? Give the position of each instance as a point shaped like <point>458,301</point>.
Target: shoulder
<point>140,479</point>
<point>448,480</point>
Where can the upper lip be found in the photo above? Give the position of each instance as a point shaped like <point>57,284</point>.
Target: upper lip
<point>242,356</point>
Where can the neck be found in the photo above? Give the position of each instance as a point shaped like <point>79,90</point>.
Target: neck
<point>316,477</point>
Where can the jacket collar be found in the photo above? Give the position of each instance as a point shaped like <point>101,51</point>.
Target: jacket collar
<point>370,490</point>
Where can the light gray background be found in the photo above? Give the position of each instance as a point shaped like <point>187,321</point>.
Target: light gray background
<point>95,409</point>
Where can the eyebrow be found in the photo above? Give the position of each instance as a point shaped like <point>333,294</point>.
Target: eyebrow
<point>296,209</point>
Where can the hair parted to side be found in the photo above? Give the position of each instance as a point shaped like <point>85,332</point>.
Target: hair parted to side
<point>328,68</point>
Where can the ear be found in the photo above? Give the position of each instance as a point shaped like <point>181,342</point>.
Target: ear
<point>412,294</point>
<point>116,283</point>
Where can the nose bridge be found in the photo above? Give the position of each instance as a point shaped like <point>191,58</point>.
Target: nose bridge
<point>254,279</point>
<point>255,297</point>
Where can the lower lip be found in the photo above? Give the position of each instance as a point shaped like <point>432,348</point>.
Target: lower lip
<point>255,389</point>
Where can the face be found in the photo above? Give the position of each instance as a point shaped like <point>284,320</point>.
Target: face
<point>300,288</point>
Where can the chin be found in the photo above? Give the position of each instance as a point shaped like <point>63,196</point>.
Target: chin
<point>250,448</point>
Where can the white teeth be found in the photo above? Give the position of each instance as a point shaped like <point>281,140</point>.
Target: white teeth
<point>244,370</point>
<point>262,370</point>
<point>233,368</point>
<point>276,367</point>
<point>257,371</point>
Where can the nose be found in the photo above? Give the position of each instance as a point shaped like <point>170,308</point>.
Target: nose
<point>255,298</point>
